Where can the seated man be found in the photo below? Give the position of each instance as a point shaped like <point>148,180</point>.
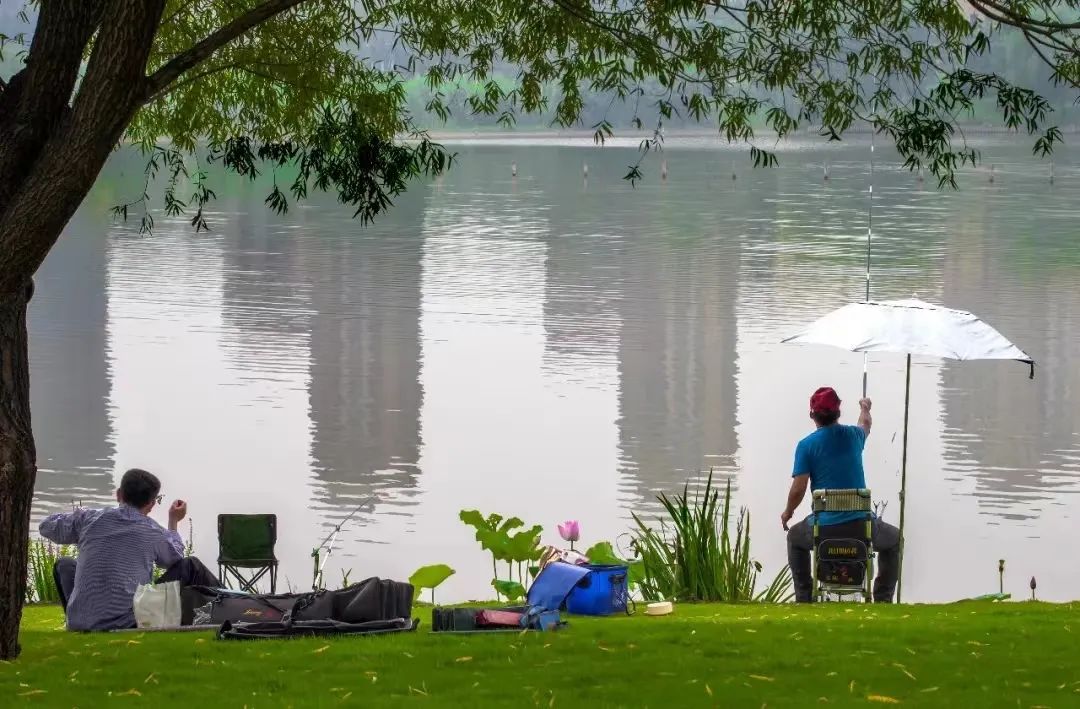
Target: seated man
<point>831,458</point>
<point>117,551</point>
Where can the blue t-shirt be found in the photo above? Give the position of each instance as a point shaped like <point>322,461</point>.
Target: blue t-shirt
<point>832,457</point>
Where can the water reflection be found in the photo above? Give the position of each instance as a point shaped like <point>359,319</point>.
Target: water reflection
<point>365,392</point>
<point>539,347</point>
<point>69,370</point>
<point>677,347</point>
<point>1017,441</point>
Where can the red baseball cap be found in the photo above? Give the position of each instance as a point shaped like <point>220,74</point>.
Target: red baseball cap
<point>824,400</point>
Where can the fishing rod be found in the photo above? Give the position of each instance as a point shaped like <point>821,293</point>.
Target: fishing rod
<point>869,237</point>
<point>320,559</point>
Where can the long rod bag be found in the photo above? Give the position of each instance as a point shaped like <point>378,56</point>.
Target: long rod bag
<point>373,599</point>
<point>313,628</point>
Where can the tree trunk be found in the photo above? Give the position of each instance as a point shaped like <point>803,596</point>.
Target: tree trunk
<point>50,154</point>
<point>42,183</point>
<point>18,466</point>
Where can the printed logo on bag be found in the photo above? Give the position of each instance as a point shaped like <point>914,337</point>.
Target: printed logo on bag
<point>844,549</point>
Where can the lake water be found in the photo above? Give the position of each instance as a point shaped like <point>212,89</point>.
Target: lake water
<point>553,349</point>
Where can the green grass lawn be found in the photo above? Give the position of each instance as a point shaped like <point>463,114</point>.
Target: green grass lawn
<point>965,655</point>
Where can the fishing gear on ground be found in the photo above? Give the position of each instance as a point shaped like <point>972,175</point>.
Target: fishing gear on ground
<point>319,558</point>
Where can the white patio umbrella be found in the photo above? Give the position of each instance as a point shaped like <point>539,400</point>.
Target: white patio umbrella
<point>911,327</point>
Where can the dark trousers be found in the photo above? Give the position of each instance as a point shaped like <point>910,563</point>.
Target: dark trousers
<point>886,540</point>
<point>189,572</point>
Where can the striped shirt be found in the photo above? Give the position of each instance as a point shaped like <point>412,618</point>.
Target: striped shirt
<point>118,549</point>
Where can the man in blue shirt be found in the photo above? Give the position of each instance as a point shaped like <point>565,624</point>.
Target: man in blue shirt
<point>831,458</point>
<point>118,550</point>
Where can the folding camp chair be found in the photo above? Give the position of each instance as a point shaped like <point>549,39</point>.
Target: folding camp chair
<point>843,553</point>
<point>246,549</point>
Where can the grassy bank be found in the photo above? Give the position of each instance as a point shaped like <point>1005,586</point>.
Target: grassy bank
<point>970,654</point>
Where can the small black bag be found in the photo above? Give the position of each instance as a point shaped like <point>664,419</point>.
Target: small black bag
<point>222,605</point>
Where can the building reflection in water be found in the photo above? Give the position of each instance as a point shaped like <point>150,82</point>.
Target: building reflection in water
<point>69,396</point>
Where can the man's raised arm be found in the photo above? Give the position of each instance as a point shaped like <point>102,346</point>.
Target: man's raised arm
<point>65,527</point>
<point>865,420</point>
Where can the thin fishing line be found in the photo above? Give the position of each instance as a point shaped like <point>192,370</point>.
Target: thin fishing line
<point>870,216</point>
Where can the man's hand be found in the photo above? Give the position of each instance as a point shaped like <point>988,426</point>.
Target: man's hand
<point>785,517</point>
<point>865,404</point>
<point>177,512</point>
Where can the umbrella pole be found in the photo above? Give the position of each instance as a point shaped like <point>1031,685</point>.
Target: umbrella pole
<point>903,478</point>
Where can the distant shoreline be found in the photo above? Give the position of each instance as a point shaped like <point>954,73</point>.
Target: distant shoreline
<point>486,134</point>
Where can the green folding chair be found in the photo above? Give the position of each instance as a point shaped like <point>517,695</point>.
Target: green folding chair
<point>246,550</point>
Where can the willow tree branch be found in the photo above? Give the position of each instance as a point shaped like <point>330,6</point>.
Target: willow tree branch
<point>192,78</point>
<point>1035,45</point>
<point>203,50</point>
<point>1017,19</point>
<point>1049,39</point>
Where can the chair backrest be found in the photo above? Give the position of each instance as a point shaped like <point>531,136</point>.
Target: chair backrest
<point>853,500</point>
<point>246,537</point>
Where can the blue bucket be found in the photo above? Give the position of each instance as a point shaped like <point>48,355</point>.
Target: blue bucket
<point>603,591</point>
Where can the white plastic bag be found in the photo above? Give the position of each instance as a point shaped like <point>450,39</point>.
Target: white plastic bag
<point>158,605</point>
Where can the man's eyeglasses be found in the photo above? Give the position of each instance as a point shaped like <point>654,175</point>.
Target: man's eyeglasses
<point>159,499</point>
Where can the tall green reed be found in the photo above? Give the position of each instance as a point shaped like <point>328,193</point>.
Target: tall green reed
<point>693,556</point>
<point>40,587</point>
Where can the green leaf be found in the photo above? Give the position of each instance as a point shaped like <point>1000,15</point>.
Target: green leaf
<point>511,589</point>
<point>429,577</point>
<point>495,542</point>
<point>473,518</point>
<point>508,525</point>
<point>494,534</point>
<point>525,545</point>
<point>603,553</point>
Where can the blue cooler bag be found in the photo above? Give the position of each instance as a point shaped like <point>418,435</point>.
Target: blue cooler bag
<point>603,591</point>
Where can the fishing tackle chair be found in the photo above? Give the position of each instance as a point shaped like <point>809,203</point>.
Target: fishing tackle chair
<point>246,550</point>
<point>843,563</point>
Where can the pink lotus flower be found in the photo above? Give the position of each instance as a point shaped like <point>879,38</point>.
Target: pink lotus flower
<point>570,531</point>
